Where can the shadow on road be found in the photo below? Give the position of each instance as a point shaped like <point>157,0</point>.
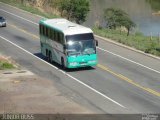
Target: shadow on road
<point>60,67</point>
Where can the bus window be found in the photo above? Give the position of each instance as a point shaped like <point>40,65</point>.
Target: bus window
<point>58,37</point>
<point>61,38</point>
<point>40,29</point>
<point>49,33</point>
<point>52,34</point>
<point>44,31</point>
<point>55,35</point>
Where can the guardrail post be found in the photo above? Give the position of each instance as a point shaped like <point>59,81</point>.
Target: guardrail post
<point>151,36</point>
<point>159,38</point>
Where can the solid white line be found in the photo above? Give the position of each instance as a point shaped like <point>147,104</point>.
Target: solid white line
<point>21,10</point>
<point>65,73</point>
<point>97,47</point>
<point>128,60</point>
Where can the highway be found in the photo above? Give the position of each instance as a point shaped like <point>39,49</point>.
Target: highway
<point>124,81</point>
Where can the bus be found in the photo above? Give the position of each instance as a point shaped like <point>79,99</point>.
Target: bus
<point>68,44</point>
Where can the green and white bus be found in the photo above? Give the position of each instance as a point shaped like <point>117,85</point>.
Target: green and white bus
<point>68,44</point>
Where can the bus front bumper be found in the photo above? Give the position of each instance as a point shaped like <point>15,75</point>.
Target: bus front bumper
<point>82,61</point>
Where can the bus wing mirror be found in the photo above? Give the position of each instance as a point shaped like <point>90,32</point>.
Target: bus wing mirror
<point>96,42</point>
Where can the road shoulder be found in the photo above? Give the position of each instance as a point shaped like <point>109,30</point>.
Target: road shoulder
<point>22,91</point>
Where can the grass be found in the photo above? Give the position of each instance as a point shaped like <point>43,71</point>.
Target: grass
<point>138,41</point>
<point>5,65</point>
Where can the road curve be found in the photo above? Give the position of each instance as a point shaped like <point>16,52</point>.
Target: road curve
<point>123,82</point>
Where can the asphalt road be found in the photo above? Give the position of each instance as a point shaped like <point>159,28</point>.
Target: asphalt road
<point>123,82</point>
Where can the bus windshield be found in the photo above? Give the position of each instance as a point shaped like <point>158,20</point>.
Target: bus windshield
<point>80,44</point>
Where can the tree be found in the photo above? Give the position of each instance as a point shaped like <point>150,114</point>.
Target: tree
<point>127,23</point>
<point>117,18</point>
<point>81,10</point>
<point>63,6</point>
<point>22,1</point>
<point>75,10</point>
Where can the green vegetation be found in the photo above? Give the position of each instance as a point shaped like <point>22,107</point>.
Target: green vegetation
<point>138,41</point>
<point>116,18</point>
<point>5,65</point>
<point>155,4</point>
<point>74,10</point>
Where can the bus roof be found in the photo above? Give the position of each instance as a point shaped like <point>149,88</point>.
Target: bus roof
<point>67,27</point>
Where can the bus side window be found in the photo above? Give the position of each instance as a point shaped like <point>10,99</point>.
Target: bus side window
<point>58,37</point>
<point>49,33</point>
<point>44,31</point>
<point>61,38</point>
<point>52,34</point>
<point>40,30</point>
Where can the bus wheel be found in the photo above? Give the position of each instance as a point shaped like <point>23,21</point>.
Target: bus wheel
<point>62,64</point>
<point>50,57</point>
<point>47,55</point>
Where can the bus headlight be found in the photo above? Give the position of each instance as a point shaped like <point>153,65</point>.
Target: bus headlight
<point>92,61</point>
<point>73,63</point>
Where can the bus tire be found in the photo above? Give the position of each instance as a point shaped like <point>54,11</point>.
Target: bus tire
<point>62,63</point>
<point>50,57</point>
<point>47,55</point>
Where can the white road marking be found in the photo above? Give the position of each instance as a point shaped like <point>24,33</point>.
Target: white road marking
<point>19,17</point>
<point>103,95</point>
<point>98,47</point>
<point>129,60</point>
